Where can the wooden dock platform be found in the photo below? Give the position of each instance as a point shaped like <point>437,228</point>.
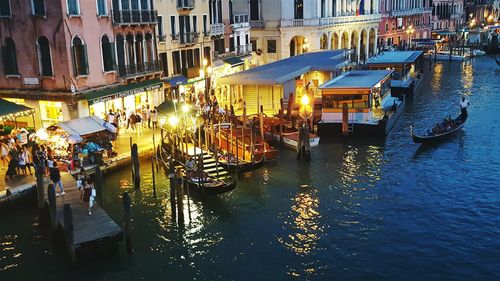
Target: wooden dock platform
<point>86,228</point>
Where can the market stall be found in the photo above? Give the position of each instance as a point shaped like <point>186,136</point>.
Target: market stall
<point>13,121</point>
<point>79,142</point>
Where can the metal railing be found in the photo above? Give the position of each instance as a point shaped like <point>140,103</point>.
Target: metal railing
<point>349,19</point>
<point>139,68</point>
<point>216,29</point>
<point>185,4</point>
<point>188,38</point>
<point>127,17</point>
<point>257,23</point>
<point>241,20</point>
<point>407,12</point>
<point>244,49</point>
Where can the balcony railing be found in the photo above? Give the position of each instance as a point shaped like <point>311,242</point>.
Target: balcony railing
<point>257,23</point>
<point>407,12</point>
<point>128,17</point>
<point>244,49</point>
<point>241,21</point>
<point>188,38</point>
<point>185,4</point>
<point>139,68</point>
<point>216,29</point>
<point>349,19</point>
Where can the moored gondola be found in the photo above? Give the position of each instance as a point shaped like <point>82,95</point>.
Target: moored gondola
<point>436,134</point>
<point>240,166</point>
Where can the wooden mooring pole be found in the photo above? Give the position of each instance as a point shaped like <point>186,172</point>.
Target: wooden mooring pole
<point>136,166</point>
<point>39,186</point>
<point>51,194</point>
<point>126,222</point>
<point>173,184</point>
<point>68,231</point>
<point>153,174</point>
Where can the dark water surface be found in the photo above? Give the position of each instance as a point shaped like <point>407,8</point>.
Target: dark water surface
<point>360,210</point>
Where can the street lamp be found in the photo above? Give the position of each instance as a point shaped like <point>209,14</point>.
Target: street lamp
<point>305,110</point>
<point>410,31</point>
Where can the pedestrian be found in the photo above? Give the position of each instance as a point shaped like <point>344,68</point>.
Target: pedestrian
<point>14,157</point>
<point>89,195</point>
<point>144,116</point>
<point>4,153</point>
<point>22,161</point>
<point>138,122</point>
<point>29,159</point>
<point>132,121</point>
<point>154,117</point>
<point>148,115</point>
<point>55,177</point>
<point>11,169</point>
<point>80,180</point>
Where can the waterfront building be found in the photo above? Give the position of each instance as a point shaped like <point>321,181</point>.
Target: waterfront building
<point>282,29</point>
<point>184,43</point>
<point>482,12</point>
<point>447,16</point>
<point>267,84</point>
<point>403,21</point>
<point>61,57</point>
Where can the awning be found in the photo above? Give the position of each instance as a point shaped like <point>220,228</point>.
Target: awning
<point>10,110</point>
<point>122,91</point>
<point>233,61</point>
<point>175,80</point>
<point>166,107</point>
<point>83,126</point>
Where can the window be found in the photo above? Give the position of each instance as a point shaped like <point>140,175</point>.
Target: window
<point>161,33</point>
<point>195,24</point>
<point>271,46</point>
<point>73,7</point>
<point>38,7</point>
<point>254,10</point>
<point>101,8</point>
<point>44,57</point>
<point>299,9</point>
<point>172,27</point>
<point>108,54</point>
<point>254,45</point>
<point>205,30</point>
<point>79,57</point>
<point>5,8</point>
<point>9,57</point>
<point>176,58</point>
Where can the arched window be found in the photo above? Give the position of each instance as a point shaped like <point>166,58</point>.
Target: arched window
<point>108,54</point>
<point>9,57</point>
<point>44,59</point>
<point>149,48</point>
<point>80,61</point>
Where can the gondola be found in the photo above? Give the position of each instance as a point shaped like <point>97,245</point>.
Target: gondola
<point>430,137</point>
<point>241,166</point>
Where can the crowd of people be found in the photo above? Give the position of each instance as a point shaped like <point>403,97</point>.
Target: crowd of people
<point>16,158</point>
<point>135,121</point>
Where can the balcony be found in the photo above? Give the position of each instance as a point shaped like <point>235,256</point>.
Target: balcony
<point>407,12</point>
<point>217,29</point>
<point>188,38</point>
<point>258,24</point>
<point>326,22</point>
<point>243,49</point>
<point>185,5</point>
<point>134,17</point>
<point>139,68</point>
<point>241,21</point>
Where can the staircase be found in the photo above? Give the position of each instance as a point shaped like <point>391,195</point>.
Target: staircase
<point>213,169</point>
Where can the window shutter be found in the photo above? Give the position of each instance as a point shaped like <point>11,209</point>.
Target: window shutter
<point>85,64</point>
<point>113,55</point>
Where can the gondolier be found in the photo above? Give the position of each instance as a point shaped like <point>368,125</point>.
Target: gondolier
<point>464,103</point>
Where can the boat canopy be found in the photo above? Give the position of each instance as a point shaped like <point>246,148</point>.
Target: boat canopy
<point>287,69</point>
<point>395,57</point>
<point>357,79</point>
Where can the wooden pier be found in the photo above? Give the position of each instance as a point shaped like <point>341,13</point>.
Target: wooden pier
<point>86,228</point>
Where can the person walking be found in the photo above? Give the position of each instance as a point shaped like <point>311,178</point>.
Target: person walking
<point>144,116</point>
<point>89,195</point>
<point>22,161</point>
<point>148,115</point>
<point>55,177</point>
<point>154,117</point>
<point>29,159</point>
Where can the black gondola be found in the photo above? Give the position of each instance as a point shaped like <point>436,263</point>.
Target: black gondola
<point>207,184</point>
<point>241,166</point>
<point>430,137</point>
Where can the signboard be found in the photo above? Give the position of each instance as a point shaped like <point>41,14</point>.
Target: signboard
<point>125,93</point>
<point>31,81</point>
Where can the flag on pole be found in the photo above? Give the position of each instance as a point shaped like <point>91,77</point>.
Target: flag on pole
<point>360,7</point>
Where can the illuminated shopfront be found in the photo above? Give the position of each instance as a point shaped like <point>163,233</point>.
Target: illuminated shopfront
<point>129,97</point>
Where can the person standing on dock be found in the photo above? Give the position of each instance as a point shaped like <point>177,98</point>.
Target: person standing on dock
<point>55,177</point>
<point>89,194</point>
<point>4,152</point>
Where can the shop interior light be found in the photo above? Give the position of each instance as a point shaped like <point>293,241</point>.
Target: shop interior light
<point>173,121</point>
<point>304,100</point>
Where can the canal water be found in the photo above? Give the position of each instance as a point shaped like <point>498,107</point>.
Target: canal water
<point>360,210</point>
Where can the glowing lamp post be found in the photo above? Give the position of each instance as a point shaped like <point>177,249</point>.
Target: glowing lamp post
<point>205,73</point>
<point>410,31</point>
<point>303,145</point>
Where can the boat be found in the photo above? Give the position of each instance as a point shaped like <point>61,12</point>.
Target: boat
<point>290,135</point>
<point>445,55</point>
<point>240,142</point>
<point>204,183</point>
<point>231,163</point>
<point>430,136</point>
